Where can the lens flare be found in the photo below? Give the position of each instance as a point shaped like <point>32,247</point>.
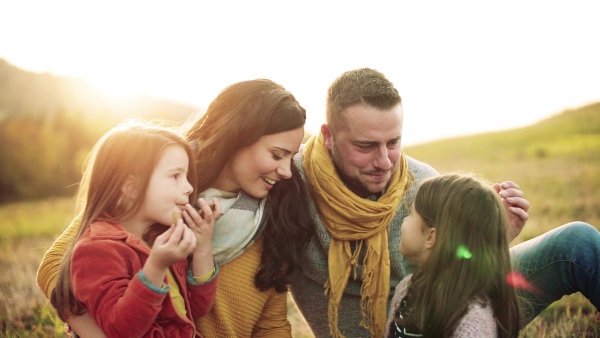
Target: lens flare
<point>519,281</point>
<point>463,253</point>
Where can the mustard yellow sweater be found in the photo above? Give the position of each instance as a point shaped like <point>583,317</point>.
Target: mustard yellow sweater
<point>240,308</point>
<point>46,275</point>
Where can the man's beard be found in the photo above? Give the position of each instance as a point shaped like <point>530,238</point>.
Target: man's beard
<point>353,183</point>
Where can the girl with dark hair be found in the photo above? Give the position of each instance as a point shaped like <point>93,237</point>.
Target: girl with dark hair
<point>243,146</point>
<point>457,234</point>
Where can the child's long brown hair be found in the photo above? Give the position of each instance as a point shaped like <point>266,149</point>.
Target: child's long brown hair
<point>131,149</point>
<point>466,213</point>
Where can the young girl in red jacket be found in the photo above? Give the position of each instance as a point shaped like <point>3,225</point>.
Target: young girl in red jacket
<point>135,266</point>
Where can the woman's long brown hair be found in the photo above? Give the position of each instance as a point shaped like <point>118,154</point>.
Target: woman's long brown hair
<point>240,115</point>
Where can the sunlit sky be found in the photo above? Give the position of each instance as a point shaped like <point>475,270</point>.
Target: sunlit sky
<point>461,67</point>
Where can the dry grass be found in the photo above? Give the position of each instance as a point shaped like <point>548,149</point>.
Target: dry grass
<point>24,311</point>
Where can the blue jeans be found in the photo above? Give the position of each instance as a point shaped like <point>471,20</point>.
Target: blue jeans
<point>560,262</point>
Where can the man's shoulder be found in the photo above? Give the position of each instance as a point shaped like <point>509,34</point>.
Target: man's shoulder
<point>299,158</point>
<point>421,169</point>
<point>300,154</point>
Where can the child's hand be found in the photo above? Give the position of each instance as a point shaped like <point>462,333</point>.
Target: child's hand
<point>172,246</point>
<point>202,222</point>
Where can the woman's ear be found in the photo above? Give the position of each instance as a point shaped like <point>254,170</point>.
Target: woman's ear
<point>430,241</point>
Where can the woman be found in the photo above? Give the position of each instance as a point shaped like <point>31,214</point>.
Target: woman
<point>244,145</point>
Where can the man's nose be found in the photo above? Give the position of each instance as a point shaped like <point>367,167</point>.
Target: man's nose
<point>381,158</point>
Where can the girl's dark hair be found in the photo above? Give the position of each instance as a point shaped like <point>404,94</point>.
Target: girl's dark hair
<point>466,212</point>
<point>240,115</point>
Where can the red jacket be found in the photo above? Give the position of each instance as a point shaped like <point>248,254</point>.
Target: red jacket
<point>103,273</point>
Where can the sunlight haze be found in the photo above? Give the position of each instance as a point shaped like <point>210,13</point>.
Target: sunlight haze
<point>461,67</point>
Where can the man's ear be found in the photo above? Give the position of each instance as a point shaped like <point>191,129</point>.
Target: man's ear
<point>327,136</point>
<point>430,241</point>
<point>129,188</point>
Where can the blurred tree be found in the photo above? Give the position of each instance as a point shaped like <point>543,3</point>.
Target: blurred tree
<point>49,123</point>
<point>41,156</point>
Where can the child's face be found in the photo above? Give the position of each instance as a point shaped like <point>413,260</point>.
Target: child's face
<point>168,190</point>
<point>414,234</point>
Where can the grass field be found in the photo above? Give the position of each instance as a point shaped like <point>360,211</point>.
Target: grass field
<point>556,163</point>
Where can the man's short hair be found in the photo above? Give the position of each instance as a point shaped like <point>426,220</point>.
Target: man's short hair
<point>360,86</point>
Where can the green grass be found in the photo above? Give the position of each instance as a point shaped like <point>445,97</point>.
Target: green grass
<point>26,231</point>
<point>556,163</point>
<point>46,218</point>
<point>24,311</point>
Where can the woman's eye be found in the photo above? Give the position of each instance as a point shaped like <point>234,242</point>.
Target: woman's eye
<point>277,157</point>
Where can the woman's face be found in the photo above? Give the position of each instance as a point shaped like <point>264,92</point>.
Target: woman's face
<point>259,166</point>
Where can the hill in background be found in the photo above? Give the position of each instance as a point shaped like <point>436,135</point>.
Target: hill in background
<point>49,123</point>
<point>556,162</point>
<point>24,93</point>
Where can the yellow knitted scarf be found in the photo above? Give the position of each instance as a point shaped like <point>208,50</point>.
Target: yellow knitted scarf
<point>350,218</point>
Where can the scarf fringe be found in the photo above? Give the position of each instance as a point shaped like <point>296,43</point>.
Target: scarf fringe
<point>368,303</point>
<point>343,212</point>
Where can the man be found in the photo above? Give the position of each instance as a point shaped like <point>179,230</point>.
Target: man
<point>363,186</point>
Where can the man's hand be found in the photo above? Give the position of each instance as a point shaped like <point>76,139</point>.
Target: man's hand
<point>516,206</point>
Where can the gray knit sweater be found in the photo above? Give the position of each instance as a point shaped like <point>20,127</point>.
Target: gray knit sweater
<point>307,286</point>
<point>478,321</point>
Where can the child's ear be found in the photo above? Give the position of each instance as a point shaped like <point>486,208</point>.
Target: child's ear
<point>430,241</point>
<point>129,188</point>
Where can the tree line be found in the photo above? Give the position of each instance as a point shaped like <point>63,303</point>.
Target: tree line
<point>48,124</point>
